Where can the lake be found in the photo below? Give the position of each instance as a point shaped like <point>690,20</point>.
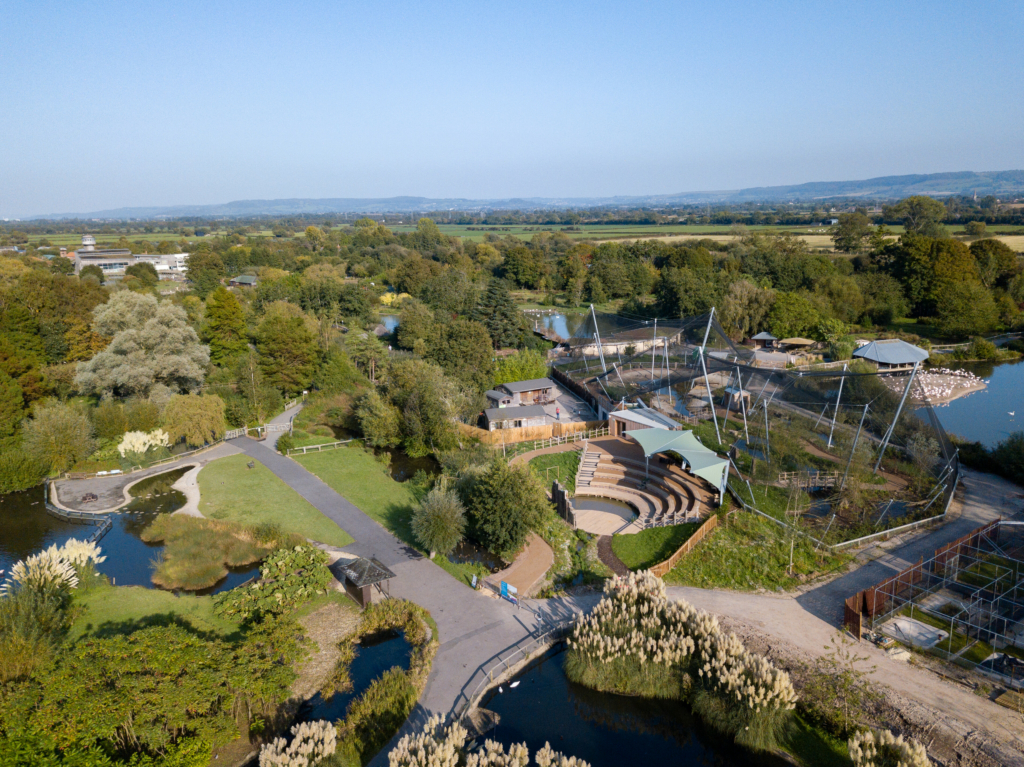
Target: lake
<point>563,324</point>
<point>984,416</point>
<point>603,729</point>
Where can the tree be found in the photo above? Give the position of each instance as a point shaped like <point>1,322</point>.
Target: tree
<point>152,344</point>
<point>12,405</point>
<point>431,405</point>
<point>415,321</point>
<point>224,329</point>
<point>965,309</point>
<point>315,237</point>
<point>746,308</point>
<point>109,420</point>
<point>62,265</point>
<point>287,352</point>
<point>919,214</point>
<point>884,298</point>
<point>440,521</point>
<point>337,374</point>
<point>573,272</point>
<point>58,436</point>
<point>205,270</point>
<point>261,398</point>
<point>143,271</point>
<point>368,352</point>
<point>524,365</point>
<point>851,231</point>
<point>379,420</point>
<point>196,419</point>
<point>92,270</point>
<point>792,315</point>
<point>497,312</point>
<point>505,504</point>
<point>523,266</point>
<point>463,350</point>
<point>996,262</point>
<point>975,229</point>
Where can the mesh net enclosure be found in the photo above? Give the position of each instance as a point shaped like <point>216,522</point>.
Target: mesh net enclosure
<point>806,444</point>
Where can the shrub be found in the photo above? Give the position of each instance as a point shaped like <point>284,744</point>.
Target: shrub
<point>312,742</point>
<point>880,748</point>
<point>33,624</point>
<point>19,470</point>
<point>288,578</point>
<point>440,521</point>
<point>139,442</point>
<point>637,642</point>
<point>285,443</point>
<point>58,436</point>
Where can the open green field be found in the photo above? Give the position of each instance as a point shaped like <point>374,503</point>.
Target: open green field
<point>354,473</point>
<point>233,492</point>
<point>117,609</point>
<point>560,466</point>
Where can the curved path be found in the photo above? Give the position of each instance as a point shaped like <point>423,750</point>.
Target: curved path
<point>475,631</point>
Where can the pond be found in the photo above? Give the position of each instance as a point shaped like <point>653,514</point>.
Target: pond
<point>374,655</point>
<point>589,503</point>
<point>402,466</point>
<point>26,528</point>
<point>563,324</point>
<point>984,416</point>
<point>603,729</point>
<point>389,321</point>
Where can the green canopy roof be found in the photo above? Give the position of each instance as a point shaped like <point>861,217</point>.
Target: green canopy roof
<point>703,461</point>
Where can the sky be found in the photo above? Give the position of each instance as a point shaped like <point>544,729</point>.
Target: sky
<point>113,104</point>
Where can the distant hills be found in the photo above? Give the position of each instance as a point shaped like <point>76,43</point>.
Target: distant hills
<point>998,183</point>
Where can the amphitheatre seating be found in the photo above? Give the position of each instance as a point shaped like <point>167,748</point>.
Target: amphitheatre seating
<point>662,498</point>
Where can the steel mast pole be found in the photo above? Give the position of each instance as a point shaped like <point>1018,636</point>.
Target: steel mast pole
<point>838,398</point>
<point>854,448</point>
<point>707,383</point>
<point>892,426</point>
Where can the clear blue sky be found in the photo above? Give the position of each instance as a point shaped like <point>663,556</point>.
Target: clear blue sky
<point>110,104</point>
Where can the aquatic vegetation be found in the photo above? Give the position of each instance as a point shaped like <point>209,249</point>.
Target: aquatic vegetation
<point>312,742</point>
<point>880,748</point>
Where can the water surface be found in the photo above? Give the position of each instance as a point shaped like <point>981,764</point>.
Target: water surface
<point>607,730</point>
<point>984,416</point>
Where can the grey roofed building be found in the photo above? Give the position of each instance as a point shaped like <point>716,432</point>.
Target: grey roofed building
<point>245,280</point>
<point>763,336</point>
<point>534,384</point>
<point>498,398</point>
<point>515,417</point>
<point>892,354</point>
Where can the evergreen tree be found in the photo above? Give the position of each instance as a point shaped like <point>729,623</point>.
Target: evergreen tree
<point>224,329</point>
<point>463,350</point>
<point>287,352</point>
<point>205,269</point>
<point>497,312</point>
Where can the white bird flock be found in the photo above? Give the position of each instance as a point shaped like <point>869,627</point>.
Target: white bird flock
<point>940,383</point>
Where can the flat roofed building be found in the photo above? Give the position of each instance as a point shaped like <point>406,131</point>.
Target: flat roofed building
<point>498,398</point>
<point>622,421</point>
<point>514,417</point>
<point>533,391</point>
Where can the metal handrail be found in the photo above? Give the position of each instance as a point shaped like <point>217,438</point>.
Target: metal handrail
<point>549,637</point>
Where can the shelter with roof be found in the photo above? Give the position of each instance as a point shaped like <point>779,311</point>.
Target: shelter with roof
<point>362,576</point>
<point>892,355</point>
<point>699,460</point>
<point>764,340</point>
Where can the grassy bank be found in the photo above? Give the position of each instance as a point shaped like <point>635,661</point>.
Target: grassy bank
<point>647,548</point>
<point>560,466</point>
<point>354,473</point>
<point>231,491</point>
<point>122,609</point>
<point>749,553</point>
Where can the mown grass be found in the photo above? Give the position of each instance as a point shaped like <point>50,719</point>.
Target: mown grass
<point>230,491</point>
<point>355,474</point>
<point>109,609</point>
<point>560,466</point>
<point>647,548</point>
<point>750,553</point>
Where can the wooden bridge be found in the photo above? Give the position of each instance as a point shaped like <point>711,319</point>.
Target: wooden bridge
<point>809,478</point>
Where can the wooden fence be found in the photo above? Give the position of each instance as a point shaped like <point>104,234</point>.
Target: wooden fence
<point>500,437</point>
<point>318,448</point>
<point>510,451</point>
<point>809,478</point>
<point>699,534</point>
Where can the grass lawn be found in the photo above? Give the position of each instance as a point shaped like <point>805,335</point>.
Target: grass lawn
<point>649,547</point>
<point>232,492</point>
<point>119,609</point>
<point>813,747</point>
<point>354,473</point>
<point>560,466</point>
<point>750,553</point>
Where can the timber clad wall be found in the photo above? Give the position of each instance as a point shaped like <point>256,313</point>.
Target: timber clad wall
<point>698,535</point>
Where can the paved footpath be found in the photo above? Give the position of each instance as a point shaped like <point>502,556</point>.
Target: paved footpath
<point>473,629</point>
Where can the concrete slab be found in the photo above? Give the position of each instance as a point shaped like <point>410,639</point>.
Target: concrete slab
<point>910,631</point>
